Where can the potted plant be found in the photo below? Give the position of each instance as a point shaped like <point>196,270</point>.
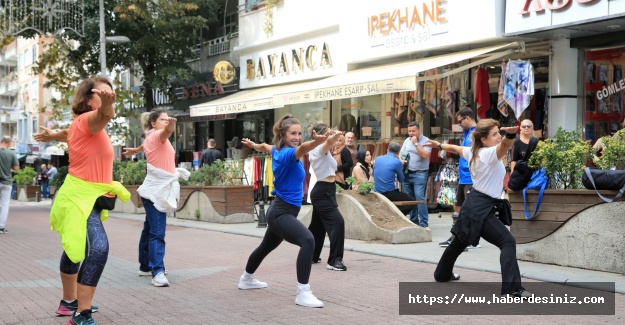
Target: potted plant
<point>25,180</point>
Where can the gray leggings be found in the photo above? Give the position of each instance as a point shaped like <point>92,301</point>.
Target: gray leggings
<point>97,251</point>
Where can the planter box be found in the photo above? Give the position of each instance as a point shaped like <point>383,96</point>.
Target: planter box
<point>220,204</point>
<point>28,193</point>
<point>574,228</point>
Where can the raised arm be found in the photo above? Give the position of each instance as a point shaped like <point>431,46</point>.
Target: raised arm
<point>507,142</point>
<point>132,151</point>
<point>444,146</point>
<point>169,129</point>
<point>262,147</point>
<point>46,135</point>
<point>99,118</point>
<point>305,147</point>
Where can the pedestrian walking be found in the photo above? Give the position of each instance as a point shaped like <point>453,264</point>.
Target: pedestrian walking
<point>288,170</point>
<point>82,202</point>
<point>159,192</point>
<point>8,163</point>
<point>325,215</point>
<point>478,214</point>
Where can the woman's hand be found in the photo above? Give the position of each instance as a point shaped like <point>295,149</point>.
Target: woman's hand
<point>44,135</point>
<point>130,151</point>
<point>510,129</point>
<point>432,143</point>
<point>107,97</point>
<point>248,142</point>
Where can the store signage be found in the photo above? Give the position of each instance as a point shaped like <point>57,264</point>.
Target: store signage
<point>295,61</point>
<point>406,18</point>
<point>205,89</point>
<point>610,90</point>
<point>549,4</point>
<point>188,118</point>
<point>224,72</point>
<point>232,108</point>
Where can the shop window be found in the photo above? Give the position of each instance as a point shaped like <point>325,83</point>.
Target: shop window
<point>603,97</point>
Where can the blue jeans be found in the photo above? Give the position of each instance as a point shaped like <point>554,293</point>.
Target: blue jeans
<point>152,241</point>
<point>45,190</point>
<point>414,185</point>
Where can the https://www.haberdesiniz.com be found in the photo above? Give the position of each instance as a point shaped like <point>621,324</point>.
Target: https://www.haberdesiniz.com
<point>485,298</point>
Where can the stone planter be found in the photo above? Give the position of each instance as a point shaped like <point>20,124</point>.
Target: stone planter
<point>360,226</point>
<point>219,204</point>
<point>574,228</point>
<point>28,193</point>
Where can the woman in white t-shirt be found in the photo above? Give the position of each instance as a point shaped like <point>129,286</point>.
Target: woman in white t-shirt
<point>477,216</point>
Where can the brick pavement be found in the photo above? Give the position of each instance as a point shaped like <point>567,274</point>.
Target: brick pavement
<point>204,267</point>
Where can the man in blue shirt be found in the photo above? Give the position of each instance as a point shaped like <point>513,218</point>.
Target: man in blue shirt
<point>418,167</point>
<point>387,169</point>
<point>464,117</point>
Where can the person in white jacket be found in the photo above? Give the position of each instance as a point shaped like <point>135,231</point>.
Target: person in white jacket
<point>159,192</point>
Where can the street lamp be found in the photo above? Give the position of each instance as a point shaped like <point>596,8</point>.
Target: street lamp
<point>104,39</point>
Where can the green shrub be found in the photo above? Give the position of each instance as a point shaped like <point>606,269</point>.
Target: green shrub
<point>613,152</point>
<point>564,158</point>
<point>218,173</point>
<point>132,173</point>
<point>59,177</point>
<point>25,176</point>
<point>365,187</point>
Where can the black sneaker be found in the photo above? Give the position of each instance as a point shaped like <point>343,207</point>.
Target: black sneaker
<point>3,231</point>
<point>445,243</point>
<point>316,260</point>
<point>84,318</point>
<point>337,265</point>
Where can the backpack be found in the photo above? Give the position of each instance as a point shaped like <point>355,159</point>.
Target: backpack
<point>539,182</point>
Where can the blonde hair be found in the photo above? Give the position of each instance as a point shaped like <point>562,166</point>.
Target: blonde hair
<point>144,120</point>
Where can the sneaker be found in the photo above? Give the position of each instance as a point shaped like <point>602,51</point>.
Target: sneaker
<point>147,273</point>
<point>337,265</point>
<point>84,318</point>
<point>446,242</point>
<point>68,308</point>
<point>316,260</point>
<point>251,282</point>
<point>160,280</point>
<point>307,299</point>
<point>521,293</point>
<point>3,231</point>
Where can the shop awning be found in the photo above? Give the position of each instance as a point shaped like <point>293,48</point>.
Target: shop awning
<point>30,159</point>
<point>388,78</point>
<point>20,156</point>
<point>244,101</point>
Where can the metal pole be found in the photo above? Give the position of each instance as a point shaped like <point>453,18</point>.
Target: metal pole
<point>262,221</point>
<point>102,41</point>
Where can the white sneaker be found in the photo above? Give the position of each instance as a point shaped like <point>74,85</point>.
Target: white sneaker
<point>307,299</point>
<point>160,280</point>
<point>251,283</point>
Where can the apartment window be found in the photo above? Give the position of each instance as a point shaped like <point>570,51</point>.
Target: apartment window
<point>34,90</point>
<point>35,125</point>
<point>26,94</point>
<point>232,23</point>
<point>20,61</point>
<point>27,58</point>
<point>34,52</point>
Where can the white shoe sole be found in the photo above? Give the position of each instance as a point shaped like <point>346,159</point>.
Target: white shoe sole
<point>320,305</point>
<point>244,287</point>
<point>330,267</point>
<point>157,284</point>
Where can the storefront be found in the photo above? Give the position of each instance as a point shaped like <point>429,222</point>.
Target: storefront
<point>588,44</point>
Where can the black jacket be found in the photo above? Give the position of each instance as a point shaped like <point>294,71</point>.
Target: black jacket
<point>210,155</point>
<point>476,208</point>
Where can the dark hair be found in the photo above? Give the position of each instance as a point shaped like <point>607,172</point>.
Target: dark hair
<point>280,128</point>
<point>83,93</point>
<point>413,123</point>
<point>152,117</point>
<point>320,128</point>
<point>465,112</point>
<point>394,147</point>
<point>360,157</point>
<point>482,130</point>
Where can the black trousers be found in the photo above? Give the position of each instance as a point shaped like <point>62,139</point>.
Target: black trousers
<point>494,232</point>
<point>397,195</point>
<point>327,218</point>
<point>283,225</point>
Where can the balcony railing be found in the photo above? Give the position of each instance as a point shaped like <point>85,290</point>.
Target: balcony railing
<point>214,47</point>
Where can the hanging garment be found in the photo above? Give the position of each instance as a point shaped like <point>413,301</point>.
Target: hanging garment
<point>502,106</point>
<point>450,96</point>
<point>433,92</point>
<point>519,87</point>
<point>482,92</point>
<point>603,73</point>
<point>590,72</point>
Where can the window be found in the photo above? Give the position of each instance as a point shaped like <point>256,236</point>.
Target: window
<point>35,90</point>
<point>35,125</point>
<point>34,51</point>
<point>25,94</point>
<point>27,58</point>
<point>232,23</point>
<point>20,61</point>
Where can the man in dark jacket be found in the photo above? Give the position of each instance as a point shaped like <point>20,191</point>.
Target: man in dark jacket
<point>210,154</point>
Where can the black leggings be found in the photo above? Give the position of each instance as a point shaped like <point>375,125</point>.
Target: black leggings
<point>494,232</point>
<point>283,225</point>
<point>96,253</point>
<point>326,217</point>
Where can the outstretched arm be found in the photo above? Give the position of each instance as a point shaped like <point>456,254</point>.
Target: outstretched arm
<point>444,146</point>
<point>132,151</point>
<point>262,147</point>
<point>46,135</point>
<point>506,143</point>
